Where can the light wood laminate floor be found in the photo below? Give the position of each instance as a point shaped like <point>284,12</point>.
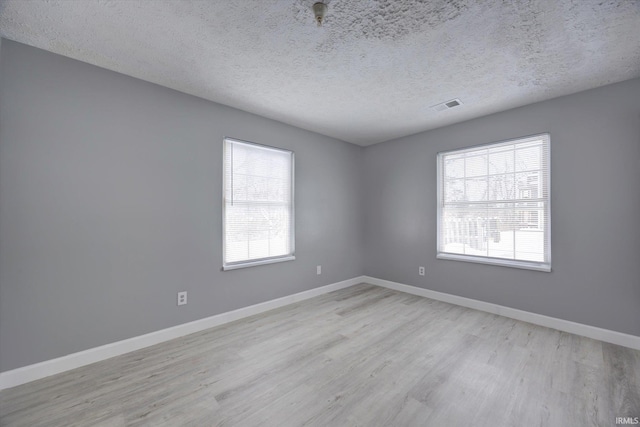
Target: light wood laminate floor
<point>361,356</point>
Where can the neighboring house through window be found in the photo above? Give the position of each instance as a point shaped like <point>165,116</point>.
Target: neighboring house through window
<point>493,203</point>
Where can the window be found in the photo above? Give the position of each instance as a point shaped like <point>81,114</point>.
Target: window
<point>258,205</point>
<point>493,204</point>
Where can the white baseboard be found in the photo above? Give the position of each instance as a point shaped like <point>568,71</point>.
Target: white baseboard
<point>47,368</point>
<point>75,360</point>
<point>593,332</point>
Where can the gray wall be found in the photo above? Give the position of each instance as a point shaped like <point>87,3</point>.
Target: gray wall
<point>595,208</point>
<point>110,203</point>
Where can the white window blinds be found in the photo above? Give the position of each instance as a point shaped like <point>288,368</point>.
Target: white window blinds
<point>258,204</point>
<point>493,203</point>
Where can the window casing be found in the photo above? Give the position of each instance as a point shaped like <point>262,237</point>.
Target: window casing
<point>494,204</point>
<point>258,204</point>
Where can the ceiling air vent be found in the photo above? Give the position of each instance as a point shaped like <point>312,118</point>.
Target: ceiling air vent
<point>447,105</point>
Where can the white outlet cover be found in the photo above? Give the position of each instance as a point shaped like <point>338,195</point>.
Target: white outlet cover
<point>319,269</point>
<point>182,298</point>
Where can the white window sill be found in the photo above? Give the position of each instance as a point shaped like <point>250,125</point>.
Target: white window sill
<point>527,265</point>
<point>264,261</point>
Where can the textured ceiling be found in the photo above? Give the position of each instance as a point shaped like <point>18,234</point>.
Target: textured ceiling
<point>369,74</point>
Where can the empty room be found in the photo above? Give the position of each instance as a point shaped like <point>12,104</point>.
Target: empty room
<point>319,213</point>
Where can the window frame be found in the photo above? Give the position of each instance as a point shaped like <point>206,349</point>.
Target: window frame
<point>258,261</point>
<point>545,265</point>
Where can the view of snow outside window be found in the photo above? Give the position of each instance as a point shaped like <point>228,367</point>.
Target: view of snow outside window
<point>258,202</point>
<point>494,201</point>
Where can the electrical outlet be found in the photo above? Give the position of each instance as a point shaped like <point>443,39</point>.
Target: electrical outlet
<point>319,269</point>
<point>182,298</point>
<point>421,271</point>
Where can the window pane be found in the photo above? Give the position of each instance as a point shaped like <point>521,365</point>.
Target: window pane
<point>454,167</point>
<point>454,190</point>
<point>528,158</point>
<point>476,189</point>
<point>465,231</point>
<point>502,187</point>
<point>501,160</point>
<point>476,164</point>
<point>528,185</point>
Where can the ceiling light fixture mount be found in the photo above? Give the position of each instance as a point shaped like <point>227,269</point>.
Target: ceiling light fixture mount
<point>319,10</point>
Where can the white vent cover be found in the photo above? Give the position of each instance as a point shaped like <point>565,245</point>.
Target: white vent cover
<point>447,105</point>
